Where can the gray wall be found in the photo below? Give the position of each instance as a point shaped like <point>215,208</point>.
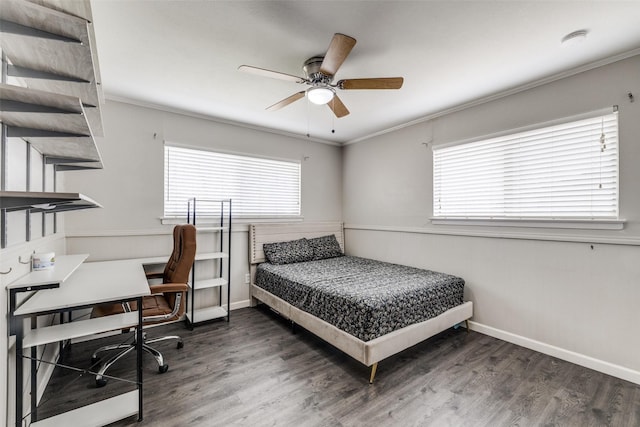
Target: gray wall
<point>543,288</point>
<point>130,187</point>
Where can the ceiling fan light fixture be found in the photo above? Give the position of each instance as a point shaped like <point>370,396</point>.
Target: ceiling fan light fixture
<point>320,95</point>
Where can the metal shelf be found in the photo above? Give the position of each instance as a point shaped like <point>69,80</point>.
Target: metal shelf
<point>220,270</point>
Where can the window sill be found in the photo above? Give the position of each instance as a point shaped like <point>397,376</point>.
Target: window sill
<point>584,224</point>
<point>504,233</point>
<point>204,220</point>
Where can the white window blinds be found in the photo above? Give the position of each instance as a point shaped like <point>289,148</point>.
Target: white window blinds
<point>563,171</point>
<point>257,186</point>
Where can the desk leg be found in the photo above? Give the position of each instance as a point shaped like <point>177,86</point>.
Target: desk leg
<point>19,370</point>
<point>139,342</point>
<point>34,375</point>
<point>61,343</point>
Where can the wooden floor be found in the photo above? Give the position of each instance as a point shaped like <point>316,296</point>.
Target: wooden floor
<point>255,372</point>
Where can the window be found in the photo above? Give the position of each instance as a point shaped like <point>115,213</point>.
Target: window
<point>257,186</point>
<point>564,171</point>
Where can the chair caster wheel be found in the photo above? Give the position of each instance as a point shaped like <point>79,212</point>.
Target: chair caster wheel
<point>180,344</point>
<point>164,368</point>
<point>101,382</point>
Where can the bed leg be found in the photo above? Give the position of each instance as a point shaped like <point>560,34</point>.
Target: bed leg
<point>374,367</point>
<point>466,323</point>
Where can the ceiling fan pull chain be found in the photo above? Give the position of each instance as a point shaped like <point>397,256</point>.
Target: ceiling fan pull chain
<point>333,116</point>
<point>308,135</point>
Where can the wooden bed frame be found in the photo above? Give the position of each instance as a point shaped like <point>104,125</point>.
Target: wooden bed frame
<point>366,352</point>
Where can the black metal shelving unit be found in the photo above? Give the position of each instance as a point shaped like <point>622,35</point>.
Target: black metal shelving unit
<point>210,216</point>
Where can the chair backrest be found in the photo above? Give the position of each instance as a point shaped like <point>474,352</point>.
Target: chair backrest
<point>184,252</point>
<point>179,265</point>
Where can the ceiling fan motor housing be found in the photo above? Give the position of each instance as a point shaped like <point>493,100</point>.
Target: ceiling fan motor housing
<point>311,69</point>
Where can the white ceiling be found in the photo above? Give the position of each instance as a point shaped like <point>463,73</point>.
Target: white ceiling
<point>184,55</point>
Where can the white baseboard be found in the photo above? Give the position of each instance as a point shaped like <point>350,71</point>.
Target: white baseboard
<point>570,356</point>
<point>240,304</point>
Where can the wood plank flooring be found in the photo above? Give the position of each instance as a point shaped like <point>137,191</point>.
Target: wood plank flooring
<point>254,371</point>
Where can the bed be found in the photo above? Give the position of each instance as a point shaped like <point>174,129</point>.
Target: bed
<point>368,309</point>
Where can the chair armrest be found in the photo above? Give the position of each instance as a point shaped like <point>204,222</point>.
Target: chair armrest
<point>168,287</point>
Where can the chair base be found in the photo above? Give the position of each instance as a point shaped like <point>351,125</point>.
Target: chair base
<point>101,381</point>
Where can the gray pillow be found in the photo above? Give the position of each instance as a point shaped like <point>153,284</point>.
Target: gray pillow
<point>288,252</point>
<point>325,247</point>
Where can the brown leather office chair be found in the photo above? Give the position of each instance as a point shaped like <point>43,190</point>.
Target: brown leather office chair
<point>166,302</point>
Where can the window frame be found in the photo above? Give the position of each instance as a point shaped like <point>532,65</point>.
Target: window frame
<point>600,223</point>
<point>237,217</point>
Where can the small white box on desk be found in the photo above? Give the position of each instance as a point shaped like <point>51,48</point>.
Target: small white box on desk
<point>44,261</point>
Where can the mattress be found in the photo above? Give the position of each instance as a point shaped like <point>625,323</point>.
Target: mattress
<point>363,297</point>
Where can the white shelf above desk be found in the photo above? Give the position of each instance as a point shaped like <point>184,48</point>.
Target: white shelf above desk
<point>45,201</point>
<point>55,125</point>
<point>55,51</point>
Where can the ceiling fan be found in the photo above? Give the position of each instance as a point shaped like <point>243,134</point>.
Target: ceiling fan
<point>319,71</point>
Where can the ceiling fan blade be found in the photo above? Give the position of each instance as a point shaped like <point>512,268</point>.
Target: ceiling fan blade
<point>286,101</point>
<point>379,83</point>
<point>337,107</point>
<point>272,74</point>
<point>339,48</point>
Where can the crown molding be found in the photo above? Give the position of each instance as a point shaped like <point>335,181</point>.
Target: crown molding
<point>179,111</point>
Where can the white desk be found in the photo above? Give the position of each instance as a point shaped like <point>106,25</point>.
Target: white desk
<point>92,283</point>
<point>69,288</point>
